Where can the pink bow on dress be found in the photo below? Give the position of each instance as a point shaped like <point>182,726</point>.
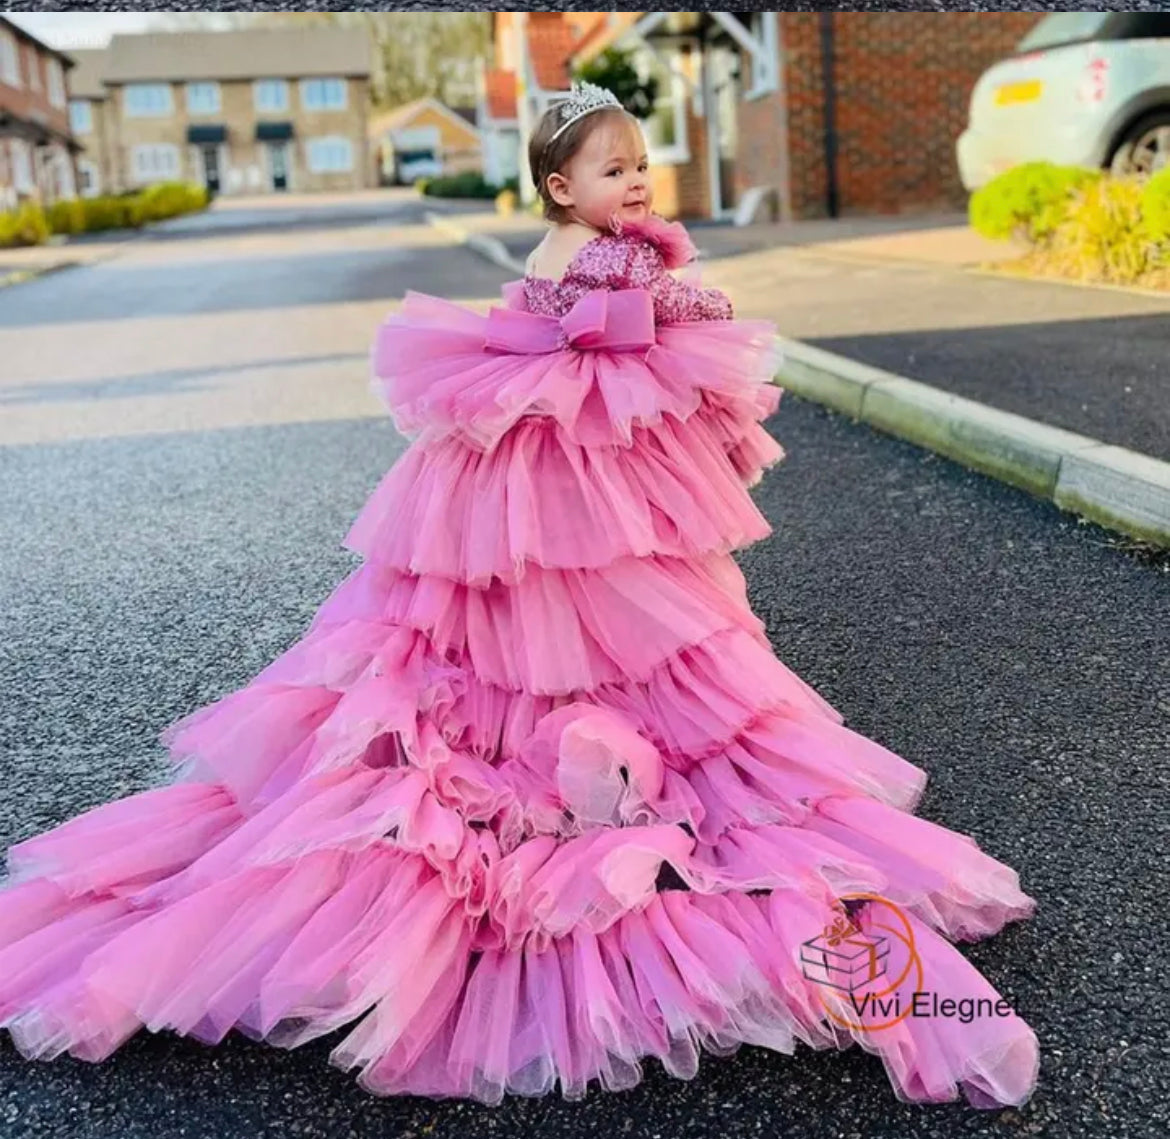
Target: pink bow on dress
<point>617,321</point>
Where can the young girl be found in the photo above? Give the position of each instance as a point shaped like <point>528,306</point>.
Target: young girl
<point>533,800</point>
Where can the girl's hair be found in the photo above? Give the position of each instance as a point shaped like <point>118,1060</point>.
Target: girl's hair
<point>547,157</point>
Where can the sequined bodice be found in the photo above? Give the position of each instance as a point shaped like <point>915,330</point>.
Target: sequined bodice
<point>625,262</point>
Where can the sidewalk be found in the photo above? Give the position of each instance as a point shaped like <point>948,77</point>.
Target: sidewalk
<point>30,261</point>
<point>1058,389</point>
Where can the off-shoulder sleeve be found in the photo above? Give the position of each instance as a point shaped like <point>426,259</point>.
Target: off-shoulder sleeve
<point>674,300</point>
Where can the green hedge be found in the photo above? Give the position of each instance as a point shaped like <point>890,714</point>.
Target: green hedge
<point>32,224</point>
<point>24,226</point>
<point>1081,223</point>
<point>470,184</point>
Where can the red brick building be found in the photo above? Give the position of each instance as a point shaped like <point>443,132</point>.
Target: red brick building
<point>530,63</point>
<point>820,113</point>
<point>37,149</point>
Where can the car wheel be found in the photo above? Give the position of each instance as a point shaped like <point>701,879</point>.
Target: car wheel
<point>1145,148</point>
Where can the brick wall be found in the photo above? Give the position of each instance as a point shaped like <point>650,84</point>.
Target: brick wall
<point>27,101</point>
<point>903,84</point>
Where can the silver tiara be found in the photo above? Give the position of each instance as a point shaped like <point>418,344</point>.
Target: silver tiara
<point>583,99</point>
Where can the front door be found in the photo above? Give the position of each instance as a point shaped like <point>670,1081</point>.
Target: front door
<point>278,164</point>
<point>211,168</point>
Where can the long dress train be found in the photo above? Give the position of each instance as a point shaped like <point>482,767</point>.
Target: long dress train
<point>532,799</point>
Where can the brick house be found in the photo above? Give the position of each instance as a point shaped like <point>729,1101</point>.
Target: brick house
<point>37,149</point>
<point>810,113</point>
<point>531,57</point>
<point>243,112</point>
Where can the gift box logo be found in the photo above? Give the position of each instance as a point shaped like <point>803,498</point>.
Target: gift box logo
<point>844,957</point>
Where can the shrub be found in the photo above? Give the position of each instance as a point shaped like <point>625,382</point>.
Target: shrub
<point>169,199</point>
<point>1156,206</point>
<point>1103,235</point>
<point>107,212</point>
<point>615,71</point>
<point>1030,200</point>
<point>67,216</point>
<point>469,184</point>
<point>32,224</point>
<point>26,225</point>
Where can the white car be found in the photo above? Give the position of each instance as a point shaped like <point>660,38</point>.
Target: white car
<point>413,166</point>
<point>1083,89</point>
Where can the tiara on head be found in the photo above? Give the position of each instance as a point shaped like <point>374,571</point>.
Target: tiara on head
<point>583,99</point>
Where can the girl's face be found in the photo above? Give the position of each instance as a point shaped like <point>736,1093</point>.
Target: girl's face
<point>608,177</point>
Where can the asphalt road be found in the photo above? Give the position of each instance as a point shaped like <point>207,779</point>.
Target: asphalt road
<point>1015,655</point>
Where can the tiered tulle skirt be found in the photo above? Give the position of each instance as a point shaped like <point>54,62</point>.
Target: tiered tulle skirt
<point>532,800</point>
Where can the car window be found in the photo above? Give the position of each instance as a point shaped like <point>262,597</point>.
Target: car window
<point>1063,28</point>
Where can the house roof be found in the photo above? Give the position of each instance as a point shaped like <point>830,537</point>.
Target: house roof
<point>28,37</point>
<point>401,117</point>
<point>551,41</point>
<point>251,53</point>
<point>603,35</point>
<point>85,80</point>
<point>501,93</point>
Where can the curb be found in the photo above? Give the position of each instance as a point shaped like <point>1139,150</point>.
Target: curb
<point>20,276</point>
<point>1072,282</point>
<point>1117,488</point>
<point>1110,485</point>
<point>490,247</point>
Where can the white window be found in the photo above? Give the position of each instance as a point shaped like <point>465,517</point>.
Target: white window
<point>56,83</point>
<point>203,98</point>
<point>326,155</point>
<point>80,116</point>
<point>665,129</point>
<point>22,170</point>
<point>270,95</point>
<point>154,162</point>
<point>148,100</point>
<point>764,65</point>
<point>323,94</point>
<point>9,60</point>
<point>91,179</point>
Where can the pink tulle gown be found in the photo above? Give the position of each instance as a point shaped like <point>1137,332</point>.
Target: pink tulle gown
<point>532,799</point>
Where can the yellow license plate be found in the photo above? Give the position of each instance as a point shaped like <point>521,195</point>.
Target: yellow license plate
<point>1026,92</point>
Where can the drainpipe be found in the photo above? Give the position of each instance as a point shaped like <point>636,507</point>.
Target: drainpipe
<point>829,86</point>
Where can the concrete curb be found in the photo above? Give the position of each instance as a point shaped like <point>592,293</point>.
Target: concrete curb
<point>1119,489</point>
<point>1008,275</point>
<point>490,247</point>
<point>19,276</point>
<point>1112,486</point>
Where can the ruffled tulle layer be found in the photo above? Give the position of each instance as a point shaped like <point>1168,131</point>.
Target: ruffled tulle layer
<point>337,692</point>
<point>532,800</point>
<point>678,489</point>
<point>379,868</point>
<point>288,952</point>
<point>554,631</point>
<point>436,374</point>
